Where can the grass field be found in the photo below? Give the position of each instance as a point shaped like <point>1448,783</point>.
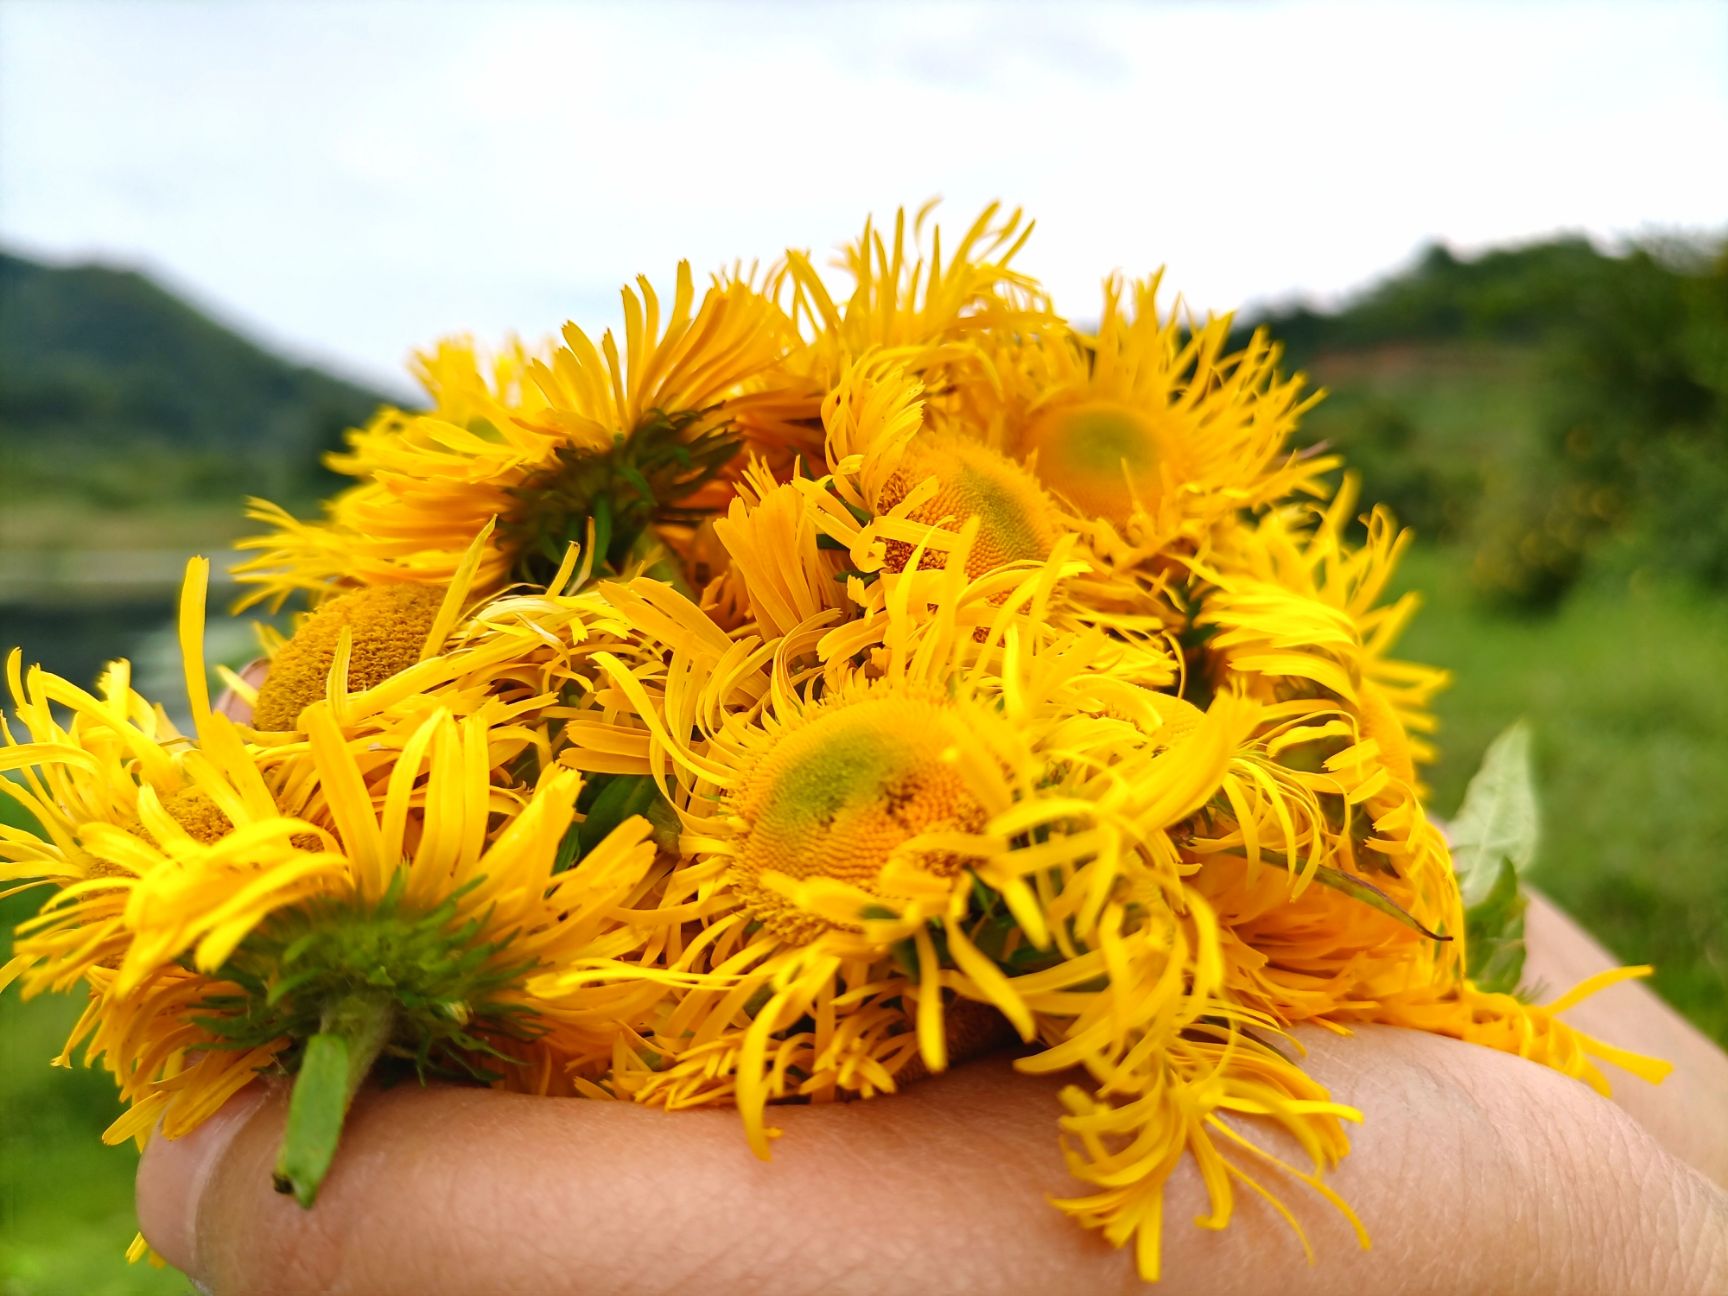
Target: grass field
<point>65,1198</point>
<point>1625,691</point>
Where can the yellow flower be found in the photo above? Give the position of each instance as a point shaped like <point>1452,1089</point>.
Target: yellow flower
<point>121,764</point>
<point>774,706</point>
<point>627,438</point>
<point>1295,607</point>
<point>837,790</point>
<point>907,294</point>
<point>897,486</point>
<point>426,484</point>
<point>362,638</point>
<point>387,626</point>
<point>1150,430</point>
<point>900,500</point>
<point>971,481</point>
<point>778,573</point>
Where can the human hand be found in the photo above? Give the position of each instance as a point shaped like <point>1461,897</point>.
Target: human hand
<point>1474,1172</point>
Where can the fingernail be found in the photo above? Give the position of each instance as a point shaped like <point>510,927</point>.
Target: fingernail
<point>174,1174</point>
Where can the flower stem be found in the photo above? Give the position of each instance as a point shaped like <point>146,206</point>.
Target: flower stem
<point>354,1031</point>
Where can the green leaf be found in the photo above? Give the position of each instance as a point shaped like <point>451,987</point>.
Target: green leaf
<point>905,954</point>
<point>569,848</point>
<point>607,801</point>
<point>1372,896</point>
<point>1494,934</point>
<point>1497,821</point>
<point>1494,838</point>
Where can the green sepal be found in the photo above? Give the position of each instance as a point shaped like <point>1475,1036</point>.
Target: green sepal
<point>1372,896</point>
<point>862,516</point>
<point>758,1000</point>
<point>601,513</point>
<point>905,955</point>
<point>431,968</point>
<point>625,490</point>
<point>1495,836</point>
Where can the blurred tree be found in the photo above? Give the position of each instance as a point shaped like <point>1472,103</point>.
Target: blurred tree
<point>1640,417</point>
<point>1562,409</point>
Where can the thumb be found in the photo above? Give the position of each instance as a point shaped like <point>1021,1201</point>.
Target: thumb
<point>447,1190</point>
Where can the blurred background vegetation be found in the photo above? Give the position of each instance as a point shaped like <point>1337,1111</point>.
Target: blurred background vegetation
<point>1552,419</point>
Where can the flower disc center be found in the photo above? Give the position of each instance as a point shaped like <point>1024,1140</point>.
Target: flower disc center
<point>1015,519</point>
<point>1100,456</point>
<point>839,795</point>
<point>388,624</point>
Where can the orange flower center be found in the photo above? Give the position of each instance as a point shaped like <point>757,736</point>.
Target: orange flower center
<point>1015,519</point>
<point>1103,458</point>
<point>193,810</point>
<point>388,623</point>
<point>201,817</point>
<point>841,794</point>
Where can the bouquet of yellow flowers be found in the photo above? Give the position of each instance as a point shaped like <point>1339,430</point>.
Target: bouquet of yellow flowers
<point>807,690</point>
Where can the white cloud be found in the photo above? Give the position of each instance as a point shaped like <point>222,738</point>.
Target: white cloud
<point>355,179</point>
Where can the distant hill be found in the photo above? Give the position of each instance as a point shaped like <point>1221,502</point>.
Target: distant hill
<point>109,383</point>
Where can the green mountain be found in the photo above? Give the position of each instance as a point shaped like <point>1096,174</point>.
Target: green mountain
<point>116,392</point>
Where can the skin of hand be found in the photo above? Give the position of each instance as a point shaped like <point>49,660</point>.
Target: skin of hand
<point>1474,1172</point>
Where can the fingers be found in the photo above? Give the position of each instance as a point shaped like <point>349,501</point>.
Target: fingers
<point>1688,1112</point>
<point>232,703</point>
<point>175,1177</point>
<point>1475,1172</point>
<point>470,1191</point>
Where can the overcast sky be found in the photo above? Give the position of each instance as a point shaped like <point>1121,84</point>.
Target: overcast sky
<point>348,181</point>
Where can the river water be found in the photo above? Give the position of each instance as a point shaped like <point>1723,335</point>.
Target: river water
<point>74,632</point>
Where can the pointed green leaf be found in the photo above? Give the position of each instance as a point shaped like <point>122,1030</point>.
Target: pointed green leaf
<point>606,802</point>
<point>1498,820</point>
<point>1494,838</point>
<point>1494,934</point>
